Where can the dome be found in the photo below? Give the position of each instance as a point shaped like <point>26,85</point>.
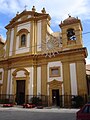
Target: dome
<point>70,20</point>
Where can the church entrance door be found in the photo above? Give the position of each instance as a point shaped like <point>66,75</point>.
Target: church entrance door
<point>20,91</point>
<point>55,97</point>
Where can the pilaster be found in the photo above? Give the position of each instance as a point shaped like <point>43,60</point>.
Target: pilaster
<point>81,77</point>
<point>8,42</point>
<point>14,41</point>
<point>43,29</point>
<point>32,37</point>
<point>44,79</point>
<point>35,36</point>
<point>5,77</point>
<point>66,78</point>
<point>35,79</point>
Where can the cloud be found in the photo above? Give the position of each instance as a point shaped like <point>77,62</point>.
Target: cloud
<point>3,34</point>
<point>1,29</point>
<point>12,6</point>
<point>87,61</point>
<point>56,8</point>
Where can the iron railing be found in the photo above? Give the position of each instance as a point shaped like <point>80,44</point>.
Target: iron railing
<point>6,98</point>
<point>66,101</point>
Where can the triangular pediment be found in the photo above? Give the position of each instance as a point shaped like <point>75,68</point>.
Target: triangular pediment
<point>26,16</point>
<point>55,82</point>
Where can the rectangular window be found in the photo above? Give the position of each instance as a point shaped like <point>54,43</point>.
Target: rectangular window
<point>0,75</point>
<point>54,72</point>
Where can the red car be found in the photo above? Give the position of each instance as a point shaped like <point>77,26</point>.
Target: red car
<point>84,113</point>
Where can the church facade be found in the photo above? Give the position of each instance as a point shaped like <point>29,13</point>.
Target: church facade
<point>35,61</point>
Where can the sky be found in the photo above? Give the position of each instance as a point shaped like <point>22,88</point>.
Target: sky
<point>57,9</point>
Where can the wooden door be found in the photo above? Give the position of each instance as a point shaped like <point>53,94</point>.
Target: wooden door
<point>20,92</point>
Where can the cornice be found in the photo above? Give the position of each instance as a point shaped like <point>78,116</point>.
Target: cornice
<point>77,50</point>
<point>64,53</point>
<point>34,17</point>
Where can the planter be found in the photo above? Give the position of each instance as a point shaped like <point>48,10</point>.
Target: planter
<point>8,105</point>
<point>28,105</point>
<point>39,107</point>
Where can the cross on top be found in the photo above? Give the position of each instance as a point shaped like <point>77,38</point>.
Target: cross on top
<point>25,7</point>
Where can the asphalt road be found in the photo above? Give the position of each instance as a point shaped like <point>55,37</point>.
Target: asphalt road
<point>36,114</point>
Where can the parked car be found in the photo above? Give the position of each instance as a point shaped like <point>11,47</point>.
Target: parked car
<point>84,113</point>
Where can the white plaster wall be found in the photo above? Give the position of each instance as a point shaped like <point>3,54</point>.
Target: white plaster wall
<point>9,82</point>
<point>17,44</point>
<point>73,79</point>
<point>29,16</point>
<point>30,86</point>
<point>49,29</point>
<point>19,19</point>
<point>24,26</point>
<point>5,49</point>
<point>11,42</point>
<point>39,36</point>
<point>21,74</point>
<point>54,64</point>
<point>27,48</point>
<point>38,80</point>
<point>1,70</point>
<point>20,50</point>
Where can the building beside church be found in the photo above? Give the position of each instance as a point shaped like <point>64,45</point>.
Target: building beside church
<point>88,78</point>
<point>35,61</point>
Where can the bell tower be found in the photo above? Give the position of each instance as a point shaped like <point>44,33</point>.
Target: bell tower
<point>71,33</point>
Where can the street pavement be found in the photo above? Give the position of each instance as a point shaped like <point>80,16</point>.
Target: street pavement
<point>48,113</point>
<point>46,109</point>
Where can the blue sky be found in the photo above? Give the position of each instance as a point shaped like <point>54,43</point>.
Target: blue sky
<point>58,10</point>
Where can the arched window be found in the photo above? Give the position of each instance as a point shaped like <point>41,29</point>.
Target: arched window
<point>22,35</point>
<point>23,40</point>
<point>71,34</point>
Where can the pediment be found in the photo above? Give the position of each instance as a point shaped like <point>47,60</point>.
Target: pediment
<point>26,16</point>
<point>55,82</point>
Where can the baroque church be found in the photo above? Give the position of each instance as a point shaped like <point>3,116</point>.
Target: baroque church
<point>35,61</point>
